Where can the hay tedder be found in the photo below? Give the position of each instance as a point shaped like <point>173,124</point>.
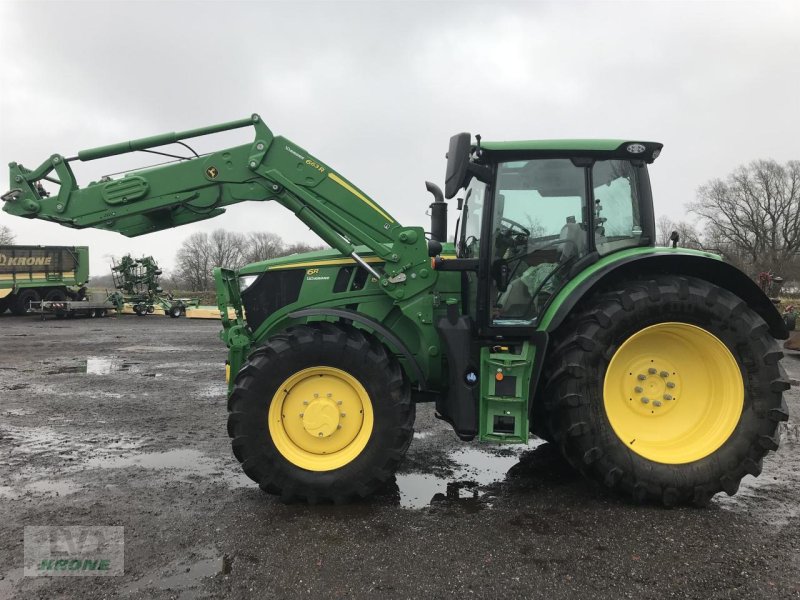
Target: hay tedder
<point>655,371</point>
<point>139,282</point>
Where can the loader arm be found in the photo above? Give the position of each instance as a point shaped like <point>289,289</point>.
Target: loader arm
<point>200,187</point>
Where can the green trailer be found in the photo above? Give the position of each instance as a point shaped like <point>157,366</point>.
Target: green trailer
<point>33,273</point>
<point>655,371</point>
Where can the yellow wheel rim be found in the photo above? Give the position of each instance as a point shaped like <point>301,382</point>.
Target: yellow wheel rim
<point>673,393</point>
<point>320,418</point>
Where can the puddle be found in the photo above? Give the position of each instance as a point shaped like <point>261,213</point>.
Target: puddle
<point>188,462</point>
<point>102,365</point>
<point>184,576</point>
<point>771,497</point>
<point>474,469</point>
<point>39,488</point>
<point>24,441</point>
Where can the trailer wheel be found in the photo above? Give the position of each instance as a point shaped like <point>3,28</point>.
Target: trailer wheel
<point>22,301</point>
<point>175,312</point>
<point>320,413</point>
<point>4,304</point>
<point>140,310</point>
<point>55,295</point>
<point>668,389</point>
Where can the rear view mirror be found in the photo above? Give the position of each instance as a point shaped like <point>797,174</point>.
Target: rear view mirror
<point>457,161</point>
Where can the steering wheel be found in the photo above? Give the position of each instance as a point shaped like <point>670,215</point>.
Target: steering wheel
<point>512,226</point>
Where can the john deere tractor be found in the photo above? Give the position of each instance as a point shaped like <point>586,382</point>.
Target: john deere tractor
<point>654,370</point>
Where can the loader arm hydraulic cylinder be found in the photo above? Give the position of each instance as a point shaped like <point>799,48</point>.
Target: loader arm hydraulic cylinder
<point>200,187</point>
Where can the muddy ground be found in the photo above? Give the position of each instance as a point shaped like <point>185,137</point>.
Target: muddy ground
<point>121,421</point>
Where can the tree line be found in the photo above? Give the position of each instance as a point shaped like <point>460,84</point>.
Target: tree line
<point>201,252</point>
<point>751,217</point>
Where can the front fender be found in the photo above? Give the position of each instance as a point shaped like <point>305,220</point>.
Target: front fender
<point>663,261</point>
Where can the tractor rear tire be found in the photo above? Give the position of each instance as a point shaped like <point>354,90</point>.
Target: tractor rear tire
<point>667,390</point>
<point>22,301</point>
<point>4,305</point>
<point>320,413</point>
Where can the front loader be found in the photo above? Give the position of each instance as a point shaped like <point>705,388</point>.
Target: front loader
<point>654,370</point>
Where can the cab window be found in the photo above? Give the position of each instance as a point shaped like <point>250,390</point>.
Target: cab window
<point>539,230</point>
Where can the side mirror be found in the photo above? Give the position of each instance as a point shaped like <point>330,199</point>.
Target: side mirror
<point>457,162</point>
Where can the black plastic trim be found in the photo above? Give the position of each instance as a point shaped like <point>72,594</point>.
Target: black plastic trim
<point>540,339</point>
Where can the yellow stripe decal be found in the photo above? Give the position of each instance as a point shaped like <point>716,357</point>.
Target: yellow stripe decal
<point>359,195</point>
<point>318,263</point>
<point>35,277</point>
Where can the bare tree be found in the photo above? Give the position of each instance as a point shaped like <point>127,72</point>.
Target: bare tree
<point>6,235</point>
<point>664,229</point>
<point>755,213</point>
<point>227,249</point>
<point>300,247</point>
<point>688,235</point>
<point>194,262</point>
<point>201,252</point>
<point>263,245</point>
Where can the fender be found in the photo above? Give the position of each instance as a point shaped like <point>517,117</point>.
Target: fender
<point>376,327</point>
<point>665,261</point>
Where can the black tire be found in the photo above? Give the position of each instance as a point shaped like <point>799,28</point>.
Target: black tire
<point>175,312</point>
<point>55,295</point>
<point>22,301</point>
<point>140,310</point>
<point>324,344</point>
<point>4,304</point>
<point>582,350</point>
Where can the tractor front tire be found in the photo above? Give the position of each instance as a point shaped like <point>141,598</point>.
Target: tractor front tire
<point>666,390</point>
<point>320,413</point>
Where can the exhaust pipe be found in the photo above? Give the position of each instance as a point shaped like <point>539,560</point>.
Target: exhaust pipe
<point>438,213</point>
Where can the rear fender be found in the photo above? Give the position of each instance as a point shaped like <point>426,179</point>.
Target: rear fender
<point>661,262</point>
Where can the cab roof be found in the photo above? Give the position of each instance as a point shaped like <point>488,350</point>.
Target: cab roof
<point>616,148</point>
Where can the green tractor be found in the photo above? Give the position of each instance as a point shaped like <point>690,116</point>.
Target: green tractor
<point>655,371</point>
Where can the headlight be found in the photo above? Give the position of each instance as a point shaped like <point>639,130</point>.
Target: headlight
<point>245,281</point>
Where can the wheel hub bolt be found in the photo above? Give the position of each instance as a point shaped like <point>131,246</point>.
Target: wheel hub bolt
<point>652,371</point>
<point>339,402</point>
<point>670,384</point>
<point>645,400</point>
<point>667,397</point>
<point>320,434</point>
<point>305,402</point>
<point>344,415</point>
<point>664,374</point>
<point>641,377</point>
<point>638,389</point>
<point>656,403</point>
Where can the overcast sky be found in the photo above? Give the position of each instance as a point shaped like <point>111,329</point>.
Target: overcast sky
<point>375,89</point>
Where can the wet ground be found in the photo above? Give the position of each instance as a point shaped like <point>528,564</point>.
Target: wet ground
<point>121,422</point>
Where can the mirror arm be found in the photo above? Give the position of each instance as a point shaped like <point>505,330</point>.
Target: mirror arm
<point>482,172</point>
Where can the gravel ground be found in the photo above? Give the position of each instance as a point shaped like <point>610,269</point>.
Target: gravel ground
<point>121,421</point>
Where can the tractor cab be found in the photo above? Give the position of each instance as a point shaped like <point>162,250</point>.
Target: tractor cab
<point>535,213</point>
